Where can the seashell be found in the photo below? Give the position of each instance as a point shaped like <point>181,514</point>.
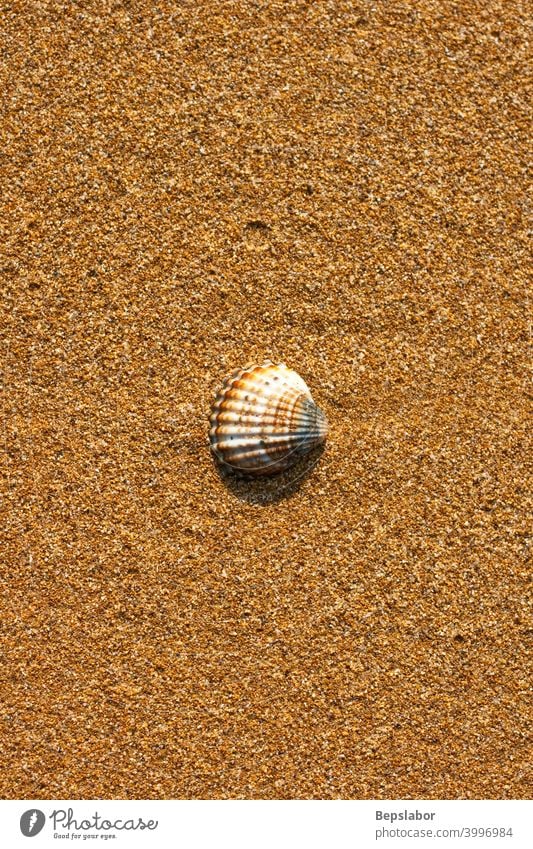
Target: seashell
<point>264,419</point>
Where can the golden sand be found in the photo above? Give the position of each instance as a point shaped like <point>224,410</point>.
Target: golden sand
<point>190,187</point>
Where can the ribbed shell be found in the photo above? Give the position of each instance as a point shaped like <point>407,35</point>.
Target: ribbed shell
<point>263,419</point>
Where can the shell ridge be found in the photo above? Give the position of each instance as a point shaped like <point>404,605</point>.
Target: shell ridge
<point>273,461</point>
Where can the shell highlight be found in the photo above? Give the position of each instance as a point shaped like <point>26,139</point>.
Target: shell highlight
<point>264,419</point>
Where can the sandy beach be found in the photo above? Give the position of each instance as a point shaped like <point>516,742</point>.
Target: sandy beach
<point>191,187</point>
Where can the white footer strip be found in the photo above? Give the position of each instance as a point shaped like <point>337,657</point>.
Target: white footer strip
<point>236,824</point>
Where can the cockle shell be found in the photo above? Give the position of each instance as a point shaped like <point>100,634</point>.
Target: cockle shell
<point>264,419</point>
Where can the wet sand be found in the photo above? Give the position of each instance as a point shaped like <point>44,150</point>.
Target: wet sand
<point>188,188</point>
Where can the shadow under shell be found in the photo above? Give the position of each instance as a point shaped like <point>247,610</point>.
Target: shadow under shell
<point>268,489</point>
